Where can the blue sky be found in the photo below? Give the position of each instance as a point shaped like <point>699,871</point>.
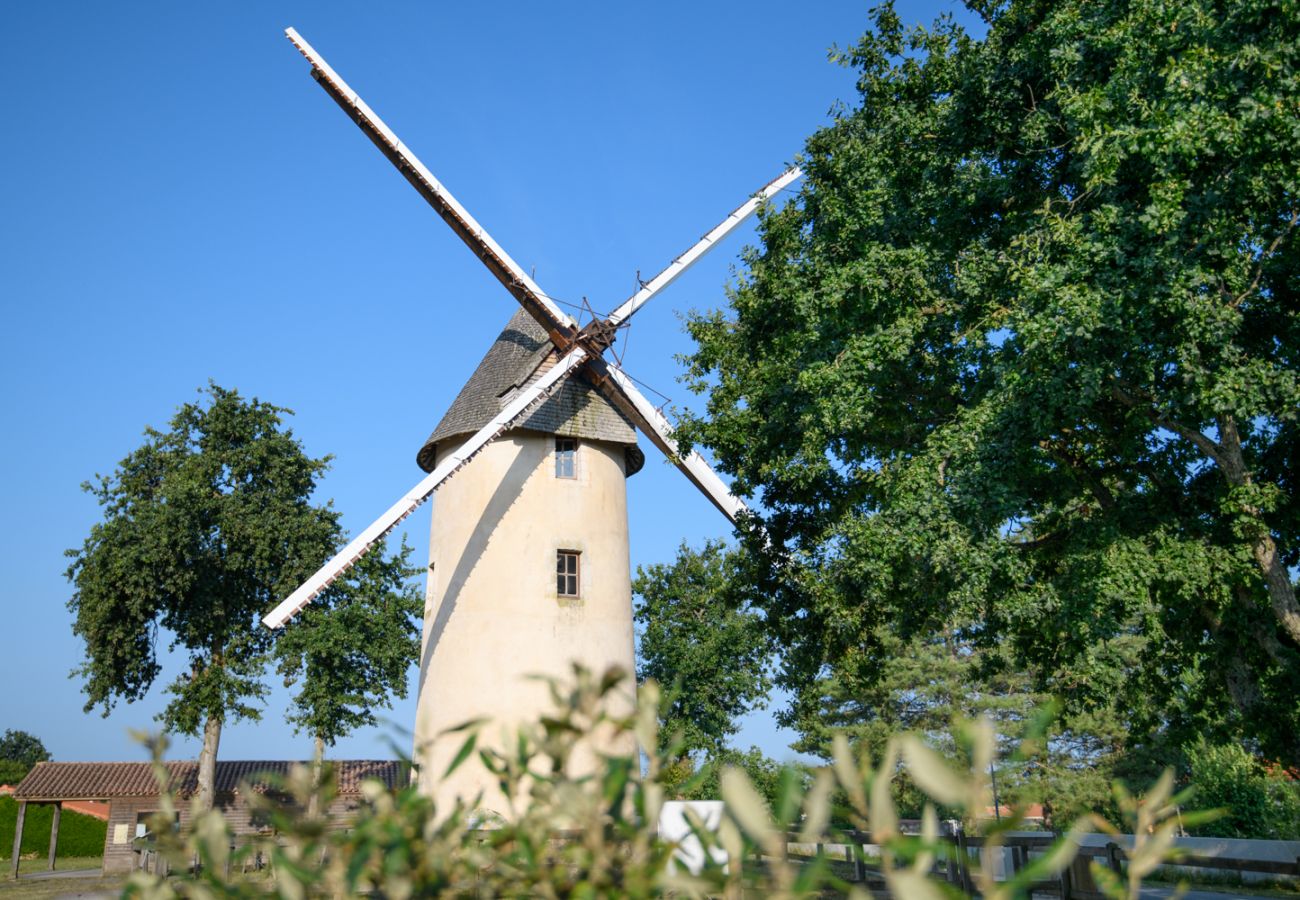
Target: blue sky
<point>183,203</point>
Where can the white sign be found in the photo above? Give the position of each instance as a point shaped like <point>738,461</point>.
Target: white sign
<point>119,834</point>
<point>674,827</point>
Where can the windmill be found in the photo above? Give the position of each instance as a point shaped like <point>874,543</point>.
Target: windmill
<point>528,554</point>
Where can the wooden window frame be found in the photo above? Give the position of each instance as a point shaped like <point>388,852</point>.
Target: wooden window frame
<point>568,573</point>
<point>566,457</point>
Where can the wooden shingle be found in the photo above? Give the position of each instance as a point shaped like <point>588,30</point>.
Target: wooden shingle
<point>521,354</point>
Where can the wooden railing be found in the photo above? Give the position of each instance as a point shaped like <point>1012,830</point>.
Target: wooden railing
<point>953,866</point>
<point>1072,883</point>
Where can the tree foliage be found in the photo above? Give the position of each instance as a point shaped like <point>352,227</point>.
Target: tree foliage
<point>689,778</point>
<point>1023,353</point>
<point>206,526</point>
<point>19,751</point>
<point>703,643</point>
<point>927,682</point>
<point>353,647</point>
<point>23,747</point>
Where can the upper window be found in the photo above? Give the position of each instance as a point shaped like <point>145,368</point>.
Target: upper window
<point>566,573</point>
<point>566,457</point>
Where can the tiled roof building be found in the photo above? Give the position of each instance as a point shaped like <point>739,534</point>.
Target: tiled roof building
<point>108,780</point>
<point>131,791</point>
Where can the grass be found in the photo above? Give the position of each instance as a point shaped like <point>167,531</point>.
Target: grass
<point>1209,881</point>
<point>41,863</point>
<point>46,888</point>
<point>54,886</point>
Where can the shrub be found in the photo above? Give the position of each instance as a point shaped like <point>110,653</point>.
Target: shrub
<point>1258,803</point>
<point>594,836</point>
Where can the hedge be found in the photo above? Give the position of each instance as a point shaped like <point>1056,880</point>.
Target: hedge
<point>79,835</point>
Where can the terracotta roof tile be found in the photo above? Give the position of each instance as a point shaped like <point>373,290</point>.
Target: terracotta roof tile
<point>104,781</point>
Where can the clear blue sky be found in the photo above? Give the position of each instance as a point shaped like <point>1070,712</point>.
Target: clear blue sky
<point>183,203</point>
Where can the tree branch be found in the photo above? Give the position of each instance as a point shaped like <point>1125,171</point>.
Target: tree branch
<point>1259,269</point>
<point>1136,398</point>
<point>1083,472</point>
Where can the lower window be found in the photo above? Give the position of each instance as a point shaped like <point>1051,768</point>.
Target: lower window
<point>567,572</point>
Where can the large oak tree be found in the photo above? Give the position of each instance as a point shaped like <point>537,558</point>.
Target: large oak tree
<point>1024,353</point>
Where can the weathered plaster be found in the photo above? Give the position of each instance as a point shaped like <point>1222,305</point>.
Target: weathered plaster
<point>492,614</point>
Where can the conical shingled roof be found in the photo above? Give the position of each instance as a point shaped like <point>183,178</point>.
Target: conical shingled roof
<point>576,409</point>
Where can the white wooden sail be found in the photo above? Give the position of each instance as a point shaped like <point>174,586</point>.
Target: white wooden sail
<point>376,530</point>
<point>561,328</point>
<point>679,265</point>
<point>658,429</point>
<point>556,322</point>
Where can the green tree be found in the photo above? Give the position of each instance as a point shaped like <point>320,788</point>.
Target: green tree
<point>205,527</point>
<point>1024,353</point>
<point>929,682</point>
<point>686,779</point>
<point>1259,803</point>
<point>353,647</point>
<point>12,772</point>
<point>19,751</point>
<point>706,646</point>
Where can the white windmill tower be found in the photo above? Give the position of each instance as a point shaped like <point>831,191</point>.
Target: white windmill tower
<point>529,567</point>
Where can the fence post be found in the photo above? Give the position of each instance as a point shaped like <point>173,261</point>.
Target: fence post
<point>1112,857</point>
<point>950,853</point>
<point>18,838</point>
<point>963,862</point>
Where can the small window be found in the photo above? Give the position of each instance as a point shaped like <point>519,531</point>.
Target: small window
<point>566,457</point>
<point>566,573</point>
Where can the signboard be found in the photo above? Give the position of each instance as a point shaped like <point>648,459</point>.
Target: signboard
<point>673,826</point>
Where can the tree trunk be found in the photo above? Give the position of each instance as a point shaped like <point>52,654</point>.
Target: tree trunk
<point>1277,579</point>
<point>1280,589</point>
<point>208,763</point>
<point>317,765</point>
<point>1241,680</point>
<point>1228,456</point>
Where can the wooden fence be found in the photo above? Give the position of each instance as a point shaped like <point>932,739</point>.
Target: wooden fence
<point>1073,883</point>
<point>954,866</point>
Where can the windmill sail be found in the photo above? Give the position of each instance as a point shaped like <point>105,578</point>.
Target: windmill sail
<point>561,330</point>
<point>701,247</point>
<point>375,532</point>
<point>558,325</point>
<point>619,388</point>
